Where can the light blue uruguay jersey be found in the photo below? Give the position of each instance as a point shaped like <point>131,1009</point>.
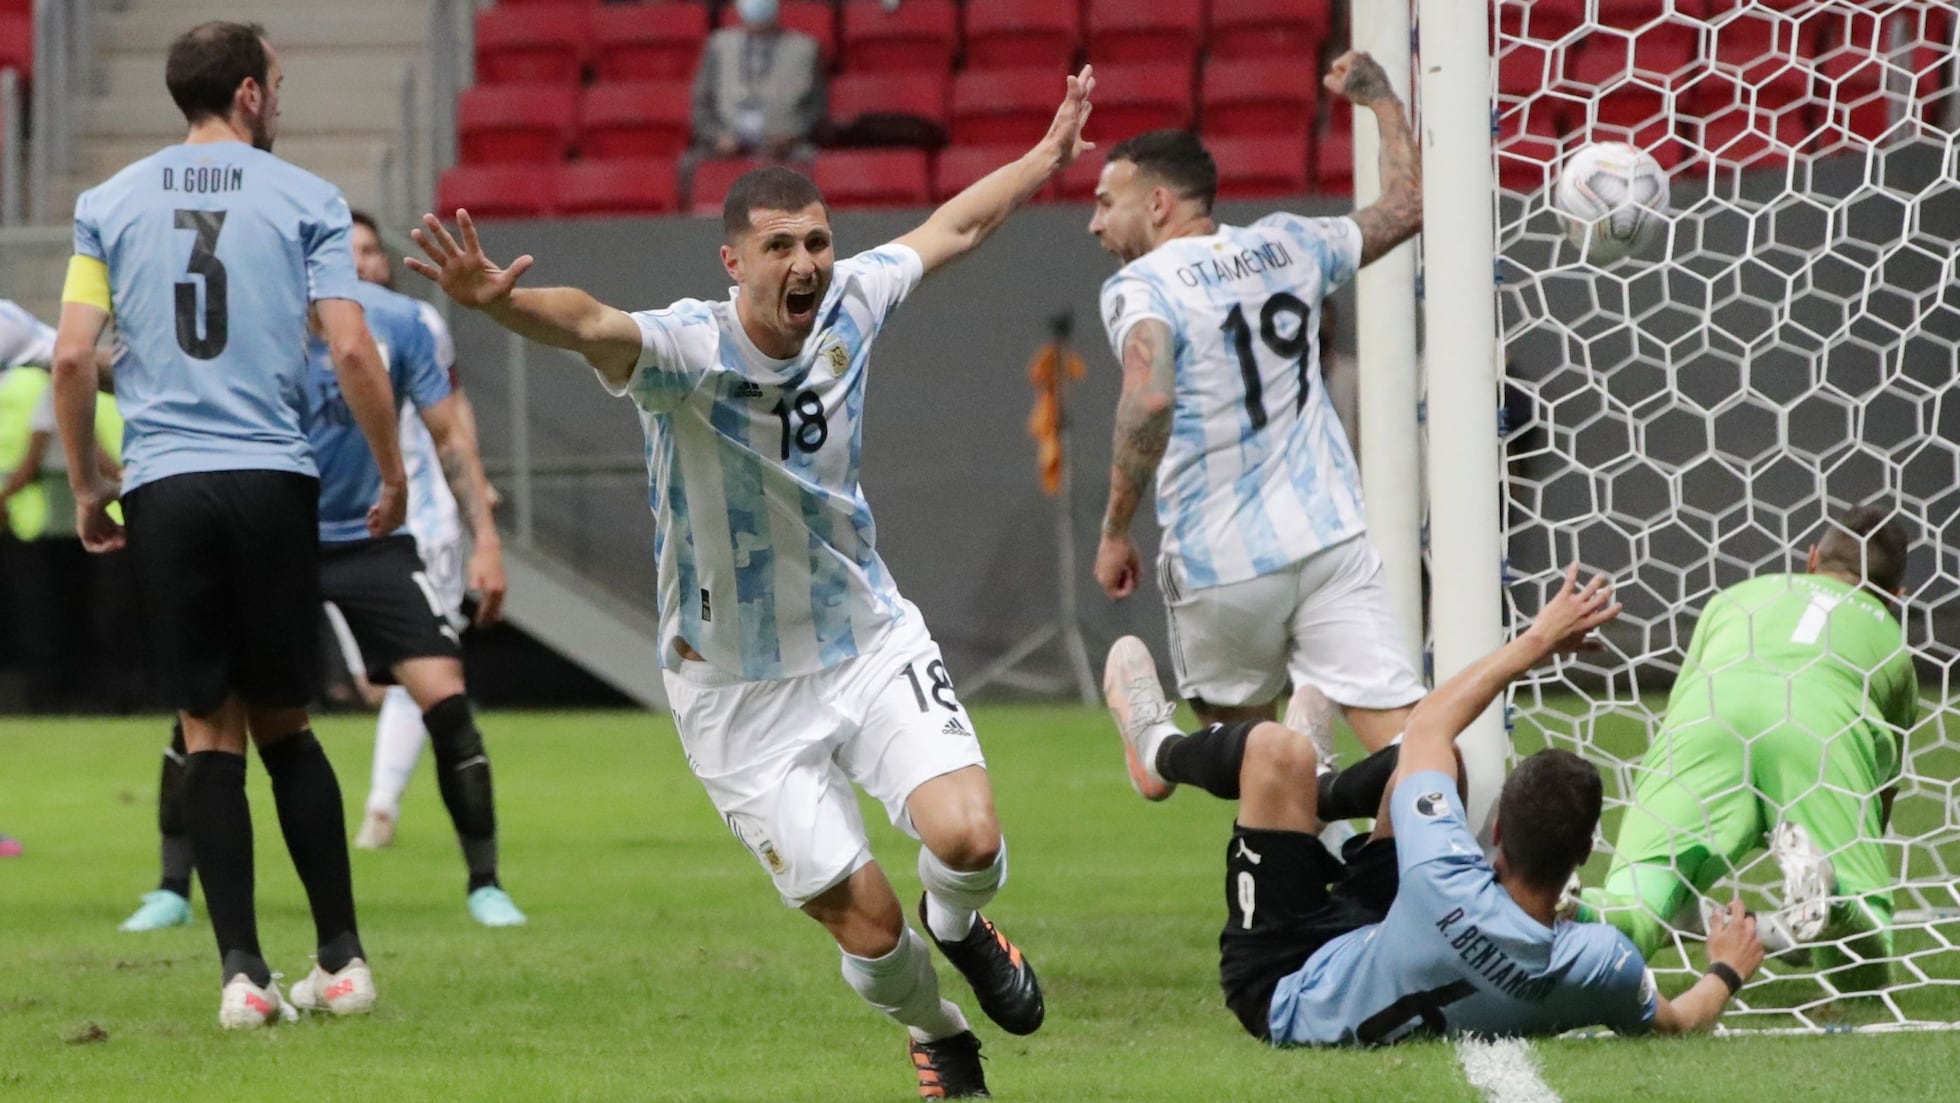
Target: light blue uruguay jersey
<point>215,251</point>
<point>1455,955</point>
<point>432,512</point>
<point>349,479</point>
<point>764,546</point>
<point>1257,474</point>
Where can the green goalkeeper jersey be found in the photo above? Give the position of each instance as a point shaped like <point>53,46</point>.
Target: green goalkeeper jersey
<point>1800,649</point>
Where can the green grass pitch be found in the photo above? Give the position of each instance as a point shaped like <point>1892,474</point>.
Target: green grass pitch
<point>658,964</point>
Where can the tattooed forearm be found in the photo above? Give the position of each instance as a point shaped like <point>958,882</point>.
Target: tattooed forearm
<point>462,476</point>
<point>1397,215</point>
<point>1143,421</point>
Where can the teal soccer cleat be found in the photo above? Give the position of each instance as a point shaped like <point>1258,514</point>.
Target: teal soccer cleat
<point>492,907</point>
<point>161,908</point>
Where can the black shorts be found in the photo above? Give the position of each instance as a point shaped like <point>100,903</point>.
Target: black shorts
<point>228,566</point>
<point>1285,898</point>
<point>382,606</point>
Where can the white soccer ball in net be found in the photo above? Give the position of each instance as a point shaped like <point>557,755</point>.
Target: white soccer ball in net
<point>1613,200</point>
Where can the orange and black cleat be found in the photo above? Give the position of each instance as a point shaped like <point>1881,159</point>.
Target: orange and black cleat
<point>950,1068</point>
<point>1002,979</point>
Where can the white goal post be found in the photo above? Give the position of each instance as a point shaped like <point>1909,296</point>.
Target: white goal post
<point>1689,418</point>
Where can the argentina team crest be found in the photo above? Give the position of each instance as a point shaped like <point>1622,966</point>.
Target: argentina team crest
<point>832,360</point>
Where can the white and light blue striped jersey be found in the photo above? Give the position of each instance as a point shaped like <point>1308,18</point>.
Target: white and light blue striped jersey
<point>1456,955</point>
<point>350,480</point>
<point>24,339</point>
<point>432,514</point>
<point>1257,474</point>
<point>215,253</point>
<point>764,546</point>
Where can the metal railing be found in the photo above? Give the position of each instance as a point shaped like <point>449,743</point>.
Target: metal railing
<point>425,136</point>
<point>64,43</point>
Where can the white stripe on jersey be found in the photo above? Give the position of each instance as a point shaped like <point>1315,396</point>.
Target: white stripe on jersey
<point>1257,474</point>
<point>763,541</point>
<point>432,514</point>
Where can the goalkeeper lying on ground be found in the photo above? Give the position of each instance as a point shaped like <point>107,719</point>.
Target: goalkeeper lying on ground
<point>1786,722</point>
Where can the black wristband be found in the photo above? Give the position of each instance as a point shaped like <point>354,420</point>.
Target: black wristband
<point>1721,971</point>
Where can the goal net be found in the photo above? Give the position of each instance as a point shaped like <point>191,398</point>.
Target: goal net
<point>1689,418</point>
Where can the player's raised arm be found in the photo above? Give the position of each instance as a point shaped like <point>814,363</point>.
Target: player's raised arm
<point>1397,215</point>
<point>969,218</point>
<point>371,398</point>
<point>562,317</point>
<point>1562,625</point>
<point>1143,429</point>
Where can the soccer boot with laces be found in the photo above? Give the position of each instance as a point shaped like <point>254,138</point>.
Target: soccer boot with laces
<point>246,1006</point>
<point>1808,881</point>
<point>950,1068</point>
<point>1142,713</point>
<point>1001,977</point>
<point>350,991</point>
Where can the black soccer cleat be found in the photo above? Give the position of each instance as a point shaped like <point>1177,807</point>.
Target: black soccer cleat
<point>1002,979</point>
<point>950,1068</point>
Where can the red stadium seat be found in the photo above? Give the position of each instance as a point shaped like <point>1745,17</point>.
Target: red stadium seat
<point>16,7</point>
<point>1735,125</point>
<point>636,120</point>
<point>1260,167</point>
<point>535,44</point>
<point>1145,30</point>
<point>1542,21</point>
<point>712,179</point>
<point>919,35</point>
<point>1133,98</point>
<point>496,191</point>
<point>816,18</point>
<point>1268,28</point>
<point>1022,34</point>
<point>1260,96</point>
<point>959,167</point>
<point>548,3</point>
<point>1012,106</point>
<point>634,186</point>
<point>889,109</point>
<point>1527,149</point>
<point>874,178</point>
<point>1851,82</point>
<point>515,123</point>
<point>648,42</point>
<point>1334,163</point>
<point>1078,181</point>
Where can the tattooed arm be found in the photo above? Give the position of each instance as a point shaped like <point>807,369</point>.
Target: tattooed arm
<point>462,469</point>
<point>1397,215</point>
<point>1143,427</point>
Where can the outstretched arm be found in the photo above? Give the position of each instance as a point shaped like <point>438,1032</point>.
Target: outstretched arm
<point>1397,215</point>
<point>1143,428</point>
<point>1733,944</point>
<point>969,218</point>
<point>562,317</point>
<point>1429,741</point>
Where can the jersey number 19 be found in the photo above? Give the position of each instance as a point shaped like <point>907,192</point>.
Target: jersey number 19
<point>1294,348</point>
<point>216,330</point>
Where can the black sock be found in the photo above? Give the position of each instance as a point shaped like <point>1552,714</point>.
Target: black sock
<point>170,818</point>
<point>314,822</point>
<point>463,776</point>
<point>1209,759</point>
<point>219,823</point>
<point>1357,790</point>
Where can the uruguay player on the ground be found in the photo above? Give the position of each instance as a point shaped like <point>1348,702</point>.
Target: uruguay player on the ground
<point>793,664</point>
<point>210,256</point>
<point>1266,569</point>
<point>1417,934</point>
<point>436,521</point>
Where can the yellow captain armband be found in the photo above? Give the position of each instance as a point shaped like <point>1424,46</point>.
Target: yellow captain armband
<point>88,283</point>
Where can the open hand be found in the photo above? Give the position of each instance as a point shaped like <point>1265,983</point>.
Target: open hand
<point>1566,620</point>
<point>1358,78</point>
<point>462,271</point>
<point>1065,133</point>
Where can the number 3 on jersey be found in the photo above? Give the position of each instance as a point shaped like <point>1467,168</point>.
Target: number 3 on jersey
<point>216,327</point>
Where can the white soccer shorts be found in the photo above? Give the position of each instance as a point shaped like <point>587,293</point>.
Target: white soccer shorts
<point>778,757</point>
<point>1325,621</point>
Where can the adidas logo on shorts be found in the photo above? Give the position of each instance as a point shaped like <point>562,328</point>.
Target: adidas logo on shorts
<point>954,727</point>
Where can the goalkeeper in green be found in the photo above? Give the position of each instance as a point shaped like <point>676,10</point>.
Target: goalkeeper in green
<point>1786,722</point>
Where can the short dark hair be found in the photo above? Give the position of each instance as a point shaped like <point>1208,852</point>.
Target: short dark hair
<point>1177,158</point>
<point>770,188</point>
<point>1546,814</point>
<point>208,63</point>
<point>1867,542</point>
<point>362,218</point>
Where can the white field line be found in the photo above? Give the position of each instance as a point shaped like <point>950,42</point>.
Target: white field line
<point>1504,1070</point>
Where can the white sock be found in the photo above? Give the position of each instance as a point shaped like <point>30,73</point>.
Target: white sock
<point>954,896</point>
<point>398,739</point>
<point>903,985</point>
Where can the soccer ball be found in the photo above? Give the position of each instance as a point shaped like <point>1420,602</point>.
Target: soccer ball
<point>1612,198</point>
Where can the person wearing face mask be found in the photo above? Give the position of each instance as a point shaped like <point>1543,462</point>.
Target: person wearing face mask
<point>759,91</point>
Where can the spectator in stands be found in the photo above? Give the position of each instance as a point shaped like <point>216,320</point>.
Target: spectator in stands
<point>759,91</point>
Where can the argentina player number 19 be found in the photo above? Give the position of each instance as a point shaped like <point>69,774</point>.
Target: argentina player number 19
<point>1292,347</point>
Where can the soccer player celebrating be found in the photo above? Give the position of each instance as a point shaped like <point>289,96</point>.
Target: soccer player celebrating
<point>793,664</point>
<point>210,255</point>
<point>1785,724</point>
<point>1267,572</point>
<point>1418,934</point>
